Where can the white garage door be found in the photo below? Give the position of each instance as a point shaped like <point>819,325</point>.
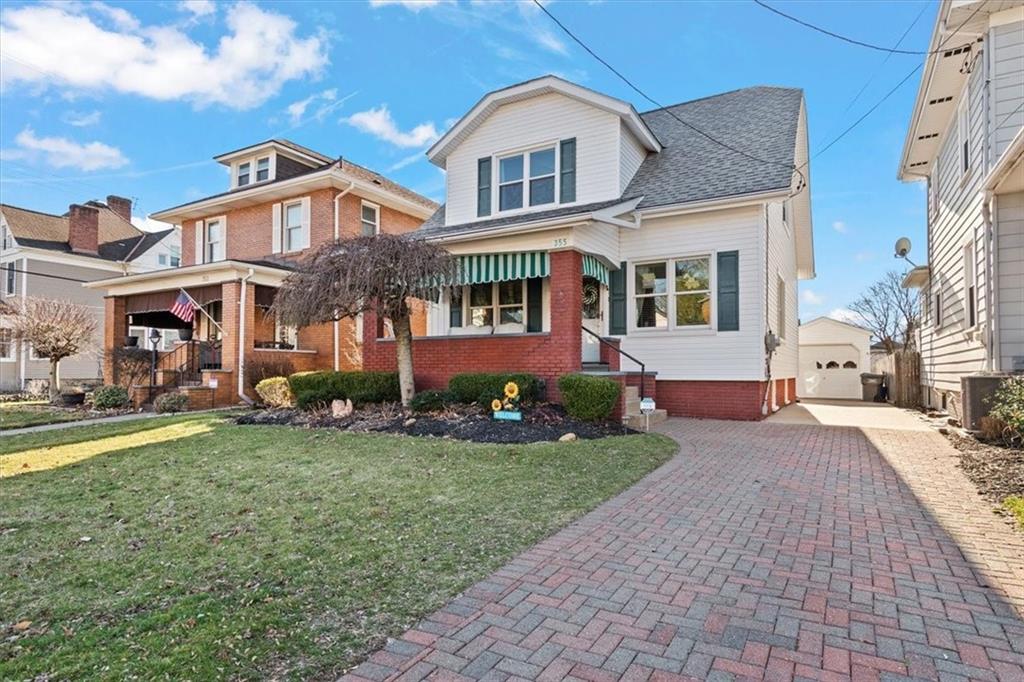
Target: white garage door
<point>829,372</point>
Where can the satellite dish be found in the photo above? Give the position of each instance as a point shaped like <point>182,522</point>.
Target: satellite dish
<point>902,247</point>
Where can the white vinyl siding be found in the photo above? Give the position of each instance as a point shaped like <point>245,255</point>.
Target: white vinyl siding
<point>702,353</point>
<point>631,155</point>
<point>532,123</point>
<point>1009,215</point>
<point>1007,100</point>
<point>782,269</point>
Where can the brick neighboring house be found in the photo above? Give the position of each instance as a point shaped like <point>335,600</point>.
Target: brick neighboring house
<point>584,228</point>
<point>237,248</point>
<point>43,255</point>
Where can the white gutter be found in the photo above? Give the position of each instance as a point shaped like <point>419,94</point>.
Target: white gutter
<point>337,235</point>
<point>734,201</point>
<point>241,336</point>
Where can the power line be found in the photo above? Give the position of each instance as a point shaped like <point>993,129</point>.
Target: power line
<point>846,39</point>
<point>791,167</point>
<point>43,274</point>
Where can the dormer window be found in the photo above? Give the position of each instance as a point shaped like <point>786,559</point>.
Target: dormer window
<point>243,174</point>
<point>263,169</point>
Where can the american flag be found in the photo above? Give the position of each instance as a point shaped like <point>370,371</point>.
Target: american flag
<point>183,308</point>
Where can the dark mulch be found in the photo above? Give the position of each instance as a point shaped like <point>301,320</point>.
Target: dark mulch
<point>540,423</point>
<point>997,471</point>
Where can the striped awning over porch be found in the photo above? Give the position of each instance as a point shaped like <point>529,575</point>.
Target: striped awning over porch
<point>502,267</point>
<point>592,267</point>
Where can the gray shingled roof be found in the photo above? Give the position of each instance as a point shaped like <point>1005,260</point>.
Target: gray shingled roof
<point>761,121</point>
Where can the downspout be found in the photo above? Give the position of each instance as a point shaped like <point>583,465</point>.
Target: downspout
<point>989,252</point>
<point>768,350</point>
<point>241,337</point>
<point>337,236</point>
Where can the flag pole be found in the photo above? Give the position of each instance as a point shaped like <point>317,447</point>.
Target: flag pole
<point>202,310</point>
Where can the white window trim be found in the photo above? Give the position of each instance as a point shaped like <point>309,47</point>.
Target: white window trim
<point>963,132</point>
<point>248,174</point>
<point>970,266</point>
<point>495,307</point>
<point>223,220</point>
<point>9,271</point>
<point>525,152</point>
<point>256,169</point>
<point>673,328</point>
<point>253,161</point>
<point>376,209</point>
<point>302,227</point>
<point>12,349</point>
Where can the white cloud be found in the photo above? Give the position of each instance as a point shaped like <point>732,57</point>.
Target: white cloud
<point>378,122</point>
<point>81,119</point>
<point>198,8</point>
<point>407,161</point>
<point>61,152</point>
<point>297,110</point>
<point>70,47</point>
<point>863,256</point>
<point>412,5</point>
<point>839,226</point>
<point>845,315</point>
<point>808,296</point>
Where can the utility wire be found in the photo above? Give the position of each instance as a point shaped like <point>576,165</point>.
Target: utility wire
<point>43,274</point>
<point>846,39</point>
<point>656,103</point>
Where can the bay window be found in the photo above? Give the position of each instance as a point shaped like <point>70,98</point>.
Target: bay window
<point>680,301</point>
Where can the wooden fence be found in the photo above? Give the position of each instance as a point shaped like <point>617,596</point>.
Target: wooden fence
<point>905,381</point>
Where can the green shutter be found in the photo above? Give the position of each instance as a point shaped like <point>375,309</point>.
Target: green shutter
<point>567,193</point>
<point>617,300</point>
<point>534,304</point>
<point>728,291</point>
<point>483,187</point>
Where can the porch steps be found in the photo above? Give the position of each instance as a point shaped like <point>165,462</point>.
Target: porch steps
<point>595,367</point>
<point>633,417</point>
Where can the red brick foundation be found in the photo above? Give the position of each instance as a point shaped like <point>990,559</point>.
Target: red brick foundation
<point>739,400</point>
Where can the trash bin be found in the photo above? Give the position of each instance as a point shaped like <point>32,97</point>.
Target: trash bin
<point>870,384</point>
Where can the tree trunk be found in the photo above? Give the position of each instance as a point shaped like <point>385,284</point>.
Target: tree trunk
<point>403,351</point>
<point>54,381</point>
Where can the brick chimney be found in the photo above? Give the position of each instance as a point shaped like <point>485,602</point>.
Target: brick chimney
<point>84,228</point>
<point>120,206</point>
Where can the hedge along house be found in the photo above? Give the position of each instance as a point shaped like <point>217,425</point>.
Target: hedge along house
<point>593,238</point>
<point>237,248</point>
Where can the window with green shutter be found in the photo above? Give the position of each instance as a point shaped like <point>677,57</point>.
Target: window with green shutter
<point>567,172</point>
<point>728,291</point>
<point>617,300</point>
<point>483,187</point>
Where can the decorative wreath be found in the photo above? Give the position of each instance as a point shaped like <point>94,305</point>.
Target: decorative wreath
<point>591,292</point>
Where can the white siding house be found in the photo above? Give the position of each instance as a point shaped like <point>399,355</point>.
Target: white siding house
<point>965,141</point>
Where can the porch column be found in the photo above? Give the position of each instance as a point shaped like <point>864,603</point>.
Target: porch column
<point>566,313</point>
<point>231,293</point>
<point>115,328</point>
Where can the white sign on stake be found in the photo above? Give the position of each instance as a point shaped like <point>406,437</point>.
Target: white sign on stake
<point>647,405</point>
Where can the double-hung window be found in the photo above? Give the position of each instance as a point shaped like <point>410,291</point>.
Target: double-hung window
<point>293,236</point>
<point>527,179</point>
<point>263,169</point>
<point>6,344</point>
<point>10,279</point>
<point>214,241</point>
<point>481,305</point>
<point>243,174</point>
<point>510,302</point>
<point>493,303</point>
<point>542,177</point>
<point>510,183</point>
<point>370,220</point>
<point>963,129</point>
<point>673,293</point>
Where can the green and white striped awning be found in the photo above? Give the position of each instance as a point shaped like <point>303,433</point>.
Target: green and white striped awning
<point>502,267</point>
<point>592,267</point>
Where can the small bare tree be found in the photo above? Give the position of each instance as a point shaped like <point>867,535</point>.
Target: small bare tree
<point>56,330</point>
<point>381,274</point>
<point>890,311</point>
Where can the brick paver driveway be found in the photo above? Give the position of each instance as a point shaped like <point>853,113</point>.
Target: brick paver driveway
<point>760,551</point>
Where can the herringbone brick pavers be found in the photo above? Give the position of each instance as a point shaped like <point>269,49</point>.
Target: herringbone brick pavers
<point>761,551</point>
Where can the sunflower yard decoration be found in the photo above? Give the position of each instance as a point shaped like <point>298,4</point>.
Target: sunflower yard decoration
<point>506,408</point>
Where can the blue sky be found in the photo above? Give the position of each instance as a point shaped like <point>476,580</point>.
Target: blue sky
<point>134,99</point>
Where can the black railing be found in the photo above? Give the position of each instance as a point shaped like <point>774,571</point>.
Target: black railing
<point>189,359</point>
<point>606,342</point>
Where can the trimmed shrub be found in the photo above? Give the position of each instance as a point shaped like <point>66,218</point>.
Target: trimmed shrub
<point>275,392</point>
<point>316,388</point>
<point>431,401</point>
<point>258,368</point>
<point>587,397</point>
<point>110,397</point>
<point>170,402</point>
<point>1007,405</point>
<point>475,386</point>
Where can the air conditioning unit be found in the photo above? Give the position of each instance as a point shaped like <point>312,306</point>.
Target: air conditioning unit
<point>977,389</point>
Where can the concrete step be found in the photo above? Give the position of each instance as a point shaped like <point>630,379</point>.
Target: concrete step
<point>595,367</point>
<point>640,422</point>
<point>632,407</point>
<point>632,393</point>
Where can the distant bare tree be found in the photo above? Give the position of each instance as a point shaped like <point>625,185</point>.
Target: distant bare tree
<point>890,311</point>
<point>56,330</point>
<point>381,274</point>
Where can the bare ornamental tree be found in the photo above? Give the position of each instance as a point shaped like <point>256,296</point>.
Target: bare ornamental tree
<point>56,330</point>
<point>890,311</point>
<point>379,274</point>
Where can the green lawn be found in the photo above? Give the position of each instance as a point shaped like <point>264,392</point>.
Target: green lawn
<point>17,415</point>
<point>256,552</point>
<point>1015,506</point>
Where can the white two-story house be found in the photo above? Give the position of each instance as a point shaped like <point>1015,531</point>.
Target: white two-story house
<point>49,256</point>
<point>966,139</point>
<point>594,238</point>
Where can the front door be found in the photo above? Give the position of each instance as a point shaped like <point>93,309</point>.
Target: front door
<point>591,320</point>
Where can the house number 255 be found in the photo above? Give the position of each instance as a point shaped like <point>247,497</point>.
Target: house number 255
<point>561,241</point>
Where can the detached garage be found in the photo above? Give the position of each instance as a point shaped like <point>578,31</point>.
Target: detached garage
<point>832,356</point>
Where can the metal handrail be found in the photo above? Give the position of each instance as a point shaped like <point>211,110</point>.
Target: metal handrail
<point>618,350</point>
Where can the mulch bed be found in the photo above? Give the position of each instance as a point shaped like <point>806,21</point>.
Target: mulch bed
<point>540,423</point>
<point>997,471</point>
